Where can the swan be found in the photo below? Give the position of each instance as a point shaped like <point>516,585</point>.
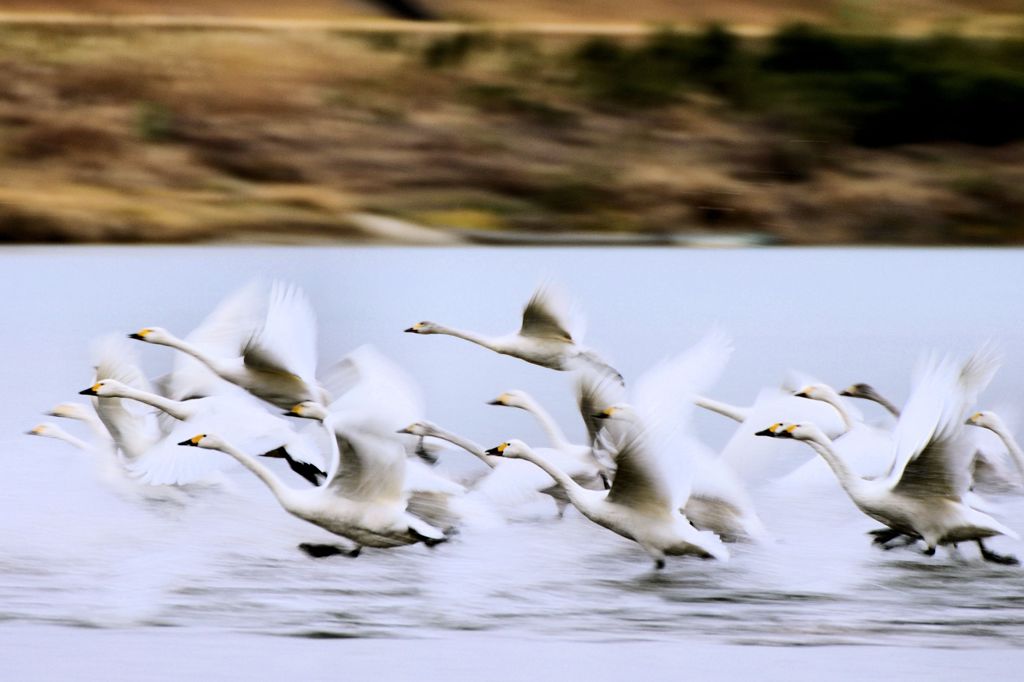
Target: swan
<point>584,453</point>
<point>991,421</point>
<point>923,495</point>
<point>868,447</point>
<point>247,424</point>
<point>543,339</point>
<point>276,361</point>
<point>50,430</point>
<point>362,499</point>
<point>640,505</point>
<point>87,416</point>
<point>507,483</point>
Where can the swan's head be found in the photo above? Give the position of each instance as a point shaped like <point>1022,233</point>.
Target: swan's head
<point>308,410</point>
<point>106,388</point>
<point>817,392</point>
<point>71,411</point>
<point>772,431</point>
<point>513,448</point>
<point>623,412</point>
<point>986,420</point>
<point>204,440</point>
<point>44,429</point>
<point>866,391</point>
<point>513,398</point>
<point>424,328</point>
<point>420,428</point>
<point>157,335</point>
<point>805,431</point>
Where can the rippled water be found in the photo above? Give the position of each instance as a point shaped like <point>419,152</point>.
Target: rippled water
<point>74,555</point>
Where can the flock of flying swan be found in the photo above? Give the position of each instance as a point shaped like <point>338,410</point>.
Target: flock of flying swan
<point>363,456</point>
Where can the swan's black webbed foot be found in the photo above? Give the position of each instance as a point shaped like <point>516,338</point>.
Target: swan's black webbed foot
<point>659,564</point>
<point>319,551</point>
<point>884,535</point>
<point>1002,559</point>
<point>929,551</point>
<point>428,541</point>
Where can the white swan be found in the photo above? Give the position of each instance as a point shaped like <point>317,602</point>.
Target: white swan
<point>50,430</point>
<point>247,424</point>
<point>640,506</point>
<point>717,501</point>
<point>543,339</point>
<point>584,453</point>
<point>86,415</point>
<point>868,448</point>
<point>508,483</point>
<point>923,495</point>
<point>991,421</point>
<point>276,362</point>
<point>362,500</point>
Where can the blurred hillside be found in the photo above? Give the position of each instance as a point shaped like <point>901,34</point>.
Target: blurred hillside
<point>841,133</point>
<point>911,15</point>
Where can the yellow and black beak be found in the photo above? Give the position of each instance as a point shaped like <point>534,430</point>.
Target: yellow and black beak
<point>92,390</point>
<point>500,400</point>
<point>771,432</point>
<point>140,335</point>
<point>296,411</point>
<point>194,440</point>
<point>415,329</point>
<point>605,413</point>
<point>801,394</point>
<point>498,451</point>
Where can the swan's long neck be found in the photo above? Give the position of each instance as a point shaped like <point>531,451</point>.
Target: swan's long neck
<point>466,444</point>
<point>577,494</point>
<point>889,407</point>
<point>1011,444</point>
<point>71,440</point>
<point>733,412</point>
<point>282,492</point>
<point>551,428</point>
<point>479,339</point>
<point>174,408</point>
<point>844,413</point>
<point>216,366</point>
<point>851,482</point>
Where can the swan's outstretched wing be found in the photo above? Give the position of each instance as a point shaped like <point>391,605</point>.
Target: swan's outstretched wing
<point>547,315</point>
<point>642,479</point>
<point>286,341</point>
<point>224,333</point>
<point>932,453</point>
<point>371,468</point>
<point>133,430</point>
<point>165,463</point>
<point>596,392</point>
<point>377,395</point>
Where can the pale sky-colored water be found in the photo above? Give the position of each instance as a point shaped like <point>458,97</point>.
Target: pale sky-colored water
<point>77,556</point>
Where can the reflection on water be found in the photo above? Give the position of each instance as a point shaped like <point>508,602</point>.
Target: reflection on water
<point>76,555</point>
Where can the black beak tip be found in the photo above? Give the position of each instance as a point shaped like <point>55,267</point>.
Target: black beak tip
<point>137,337</point>
<point>410,330</point>
<point>765,432</point>
<point>599,415</point>
<point>495,402</point>
<point>188,442</point>
<point>87,391</point>
<point>494,452</point>
<point>846,393</point>
<point>289,413</point>
<point>801,394</point>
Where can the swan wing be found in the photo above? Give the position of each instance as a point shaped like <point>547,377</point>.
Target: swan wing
<point>642,480</point>
<point>547,315</point>
<point>222,334</point>
<point>286,341</point>
<point>594,393</point>
<point>167,463</point>
<point>376,394</point>
<point>371,468</point>
<point>135,429</point>
<point>932,453</point>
